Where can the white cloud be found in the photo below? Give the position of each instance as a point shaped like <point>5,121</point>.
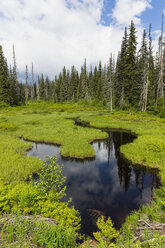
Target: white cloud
<point>54,33</point>
<point>126,10</point>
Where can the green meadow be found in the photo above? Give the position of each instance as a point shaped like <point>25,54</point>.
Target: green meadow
<point>53,123</point>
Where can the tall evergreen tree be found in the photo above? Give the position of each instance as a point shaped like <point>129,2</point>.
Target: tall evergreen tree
<point>84,83</point>
<point>74,80</point>
<point>5,93</point>
<point>99,82</point>
<point>95,83</point>
<point>22,92</point>
<point>42,87</point>
<point>122,72</point>
<point>64,86</point>
<point>58,85</point>
<point>47,86</point>
<point>111,82</point>
<point>131,65</point>
<point>105,84</point>
<point>80,92</point>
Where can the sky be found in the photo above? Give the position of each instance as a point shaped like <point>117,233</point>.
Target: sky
<point>54,33</point>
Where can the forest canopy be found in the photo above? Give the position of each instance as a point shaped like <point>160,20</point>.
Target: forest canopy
<point>135,79</point>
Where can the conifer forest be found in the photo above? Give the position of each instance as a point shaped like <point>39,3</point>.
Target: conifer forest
<point>82,156</point>
<point>134,79</point>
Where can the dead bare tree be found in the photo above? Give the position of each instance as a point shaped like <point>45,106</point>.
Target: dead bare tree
<point>144,93</point>
<point>38,89</point>
<point>32,85</point>
<point>110,68</point>
<point>26,86</point>
<point>15,76</point>
<point>160,85</point>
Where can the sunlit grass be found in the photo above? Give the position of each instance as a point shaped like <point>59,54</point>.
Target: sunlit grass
<point>52,123</point>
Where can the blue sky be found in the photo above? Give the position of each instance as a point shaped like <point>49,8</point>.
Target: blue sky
<point>54,33</point>
<point>152,15</point>
<point>106,17</point>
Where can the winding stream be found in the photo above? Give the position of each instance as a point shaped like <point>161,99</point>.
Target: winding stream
<point>108,185</point>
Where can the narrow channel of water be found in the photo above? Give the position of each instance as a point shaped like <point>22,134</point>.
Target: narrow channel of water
<point>107,185</point>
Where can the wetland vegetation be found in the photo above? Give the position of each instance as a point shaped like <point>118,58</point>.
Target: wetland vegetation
<point>127,95</point>
<point>53,123</point>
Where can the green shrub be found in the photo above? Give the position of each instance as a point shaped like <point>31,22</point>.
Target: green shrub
<point>106,234</point>
<point>51,180</point>
<point>160,108</point>
<point>21,230</point>
<point>41,197</point>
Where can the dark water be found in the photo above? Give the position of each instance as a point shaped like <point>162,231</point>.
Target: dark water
<point>107,185</point>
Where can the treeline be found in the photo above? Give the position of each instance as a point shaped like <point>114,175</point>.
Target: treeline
<point>136,79</point>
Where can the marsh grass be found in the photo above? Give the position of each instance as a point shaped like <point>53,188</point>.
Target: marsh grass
<point>51,123</point>
<point>24,232</point>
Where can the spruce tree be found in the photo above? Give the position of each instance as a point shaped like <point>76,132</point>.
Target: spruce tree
<point>42,87</point>
<point>58,84</point>
<point>84,82</point>
<point>47,86</point>
<point>68,85</point>
<point>99,82</point>
<point>80,91</point>
<point>90,82</point>
<point>95,83</point>
<point>111,81</point>
<point>5,93</point>
<point>117,81</point>
<point>131,65</point>
<point>74,80</point>
<point>122,68</point>
<point>64,86</point>
<point>105,84</point>
<point>22,92</point>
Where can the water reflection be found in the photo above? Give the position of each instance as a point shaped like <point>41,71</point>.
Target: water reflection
<point>107,185</point>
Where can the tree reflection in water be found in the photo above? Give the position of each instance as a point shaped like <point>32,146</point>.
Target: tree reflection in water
<point>107,185</point>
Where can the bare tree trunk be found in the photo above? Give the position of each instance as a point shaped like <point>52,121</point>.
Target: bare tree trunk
<point>32,85</point>
<point>111,82</point>
<point>160,86</point>
<point>15,75</point>
<point>26,86</point>
<point>38,90</point>
<point>144,93</point>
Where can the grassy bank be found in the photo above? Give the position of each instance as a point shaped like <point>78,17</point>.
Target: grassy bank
<point>52,123</point>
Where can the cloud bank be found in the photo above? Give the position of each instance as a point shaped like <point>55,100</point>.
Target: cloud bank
<point>54,33</point>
